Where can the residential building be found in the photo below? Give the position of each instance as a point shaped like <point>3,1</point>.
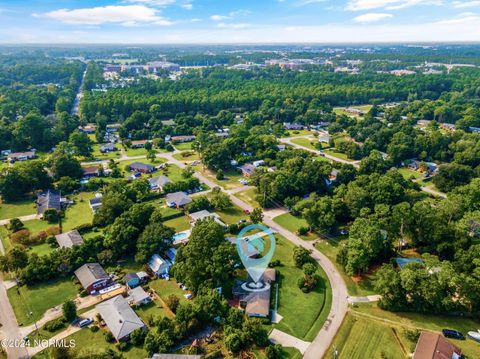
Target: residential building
<point>21,156</point>
<point>141,167</point>
<point>156,66</point>
<point>182,138</point>
<point>69,239</point>
<point>157,183</point>
<point>171,254</point>
<point>113,127</point>
<point>119,317</point>
<point>448,126</point>
<point>474,129</point>
<point>258,163</point>
<point>204,214</point>
<point>257,304</point>
<point>138,296</point>
<point>247,169</point>
<point>158,265</point>
<point>133,280</point>
<point>90,129</point>
<point>93,277</point>
<point>95,203</point>
<point>92,171</point>
<point>435,346</point>
<point>108,147</point>
<point>138,144</point>
<point>177,199</point>
<point>50,199</point>
<point>293,126</point>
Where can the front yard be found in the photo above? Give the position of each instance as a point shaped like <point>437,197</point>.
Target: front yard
<point>17,209</point>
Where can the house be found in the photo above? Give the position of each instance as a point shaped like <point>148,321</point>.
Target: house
<point>138,296</point>
<point>171,254</point>
<point>281,147</point>
<point>119,317</point>
<point>108,147</point>
<point>204,214</point>
<point>448,126</point>
<point>69,239</point>
<point>435,346</point>
<point>293,126</point>
<point>138,144</point>
<point>177,199</point>
<point>247,169</point>
<point>158,265</point>
<point>332,177</point>
<point>141,167</point>
<point>92,171</point>
<point>88,129</point>
<point>113,127</point>
<point>21,156</point>
<point>95,203</point>
<point>157,183</point>
<point>257,303</point>
<point>258,163</point>
<point>93,277</point>
<point>50,199</point>
<point>182,138</point>
<point>133,280</point>
<point>474,129</point>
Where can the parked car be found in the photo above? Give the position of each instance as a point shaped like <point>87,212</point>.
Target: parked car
<point>450,333</point>
<point>246,211</point>
<point>85,322</point>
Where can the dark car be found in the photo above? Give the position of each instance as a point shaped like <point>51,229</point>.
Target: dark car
<point>450,333</point>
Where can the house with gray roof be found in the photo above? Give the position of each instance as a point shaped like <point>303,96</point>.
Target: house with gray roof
<point>50,199</point>
<point>138,296</point>
<point>177,199</point>
<point>204,214</point>
<point>69,239</point>
<point>93,277</point>
<point>119,317</point>
<point>157,183</point>
<point>141,167</point>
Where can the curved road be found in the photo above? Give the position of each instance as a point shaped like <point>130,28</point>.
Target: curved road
<point>338,310</point>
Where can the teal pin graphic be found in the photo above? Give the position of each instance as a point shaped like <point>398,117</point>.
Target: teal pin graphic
<point>256,250</point>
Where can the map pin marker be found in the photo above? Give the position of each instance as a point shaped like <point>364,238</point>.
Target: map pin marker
<point>251,249</point>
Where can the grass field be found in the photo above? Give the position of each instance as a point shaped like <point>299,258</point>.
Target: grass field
<point>248,196</point>
<point>154,310</point>
<point>355,288</point>
<point>408,173</point>
<point>41,249</point>
<point>17,209</point>
<point>89,343</point>
<point>287,353</point>
<point>231,180</point>
<point>434,323</point>
<point>293,133</point>
<point>178,224</point>
<point>232,215</point>
<point>37,225</point>
<point>164,288</point>
<point>187,156</point>
<point>184,146</point>
<point>341,110</point>
<point>131,152</point>
<point>333,153</point>
<point>315,306</point>
<point>38,299</point>
<point>78,213</point>
<point>360,338</point>
<point>293,223</point>
<point>306,142</point>
<point>105,156</point>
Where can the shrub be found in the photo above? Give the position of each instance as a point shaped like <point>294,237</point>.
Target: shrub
<point>302,231</point>
<point>21,236</point>
<point>94,328</point>
<point>15,225</point>
<point>51,215</point>
<point>122,346</point>
<point>172,301</point>
<point>275,263</point>
<point>220,175</point>
<point>54,325</point>
<point>109,337</point>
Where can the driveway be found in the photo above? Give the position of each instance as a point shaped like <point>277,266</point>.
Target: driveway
<point>287,340</point>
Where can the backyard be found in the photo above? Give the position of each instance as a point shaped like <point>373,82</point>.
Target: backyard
<point>17,209</point>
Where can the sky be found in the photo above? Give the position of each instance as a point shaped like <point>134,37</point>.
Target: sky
<point>238,21</point>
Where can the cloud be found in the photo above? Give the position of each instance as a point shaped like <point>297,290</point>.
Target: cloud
<point>464,4</point>
<point>152,2</point>
<point>187,6</point>
<point>232,26</point>
<point>465,18</point>
<point>359,5</point>
<point>128,14</point>
<point>220,17</point>
<point>372,17</point>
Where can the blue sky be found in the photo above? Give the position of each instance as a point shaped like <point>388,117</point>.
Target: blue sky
<point>234,21</point>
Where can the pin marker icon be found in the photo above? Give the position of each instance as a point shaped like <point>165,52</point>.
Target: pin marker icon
<point>251,249</point>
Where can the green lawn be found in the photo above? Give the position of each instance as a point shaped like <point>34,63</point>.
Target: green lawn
<point>355,288</point>
<point>306,142</point>
<point>322,158</point>
<point>173,172</point>
<point>88,343</point>
<point>41,249</point>
<point>287,353</point>
<point>38,225</point>
<point>131,152</point>
<point>340,155</point>
<point>17,209</point>
<point>105,156</point>
<point>232,215</point>
<point>178,224</point>
<point>187,156</point>
<point>184,146</point>
<point>152,310</point>
<point>231,180</point>
<point>303,323</point>
<point>293,223</point>
<point>78,213</point>
<point>360,338</point>
<point>248,196</point>
<point>293,133</point>
<point>408,173</point>
<point>434,323</point>
<point>38,299</point>
<point>164,288</point>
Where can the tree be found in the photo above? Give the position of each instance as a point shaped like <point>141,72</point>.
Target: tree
<point>69,309</point>
<point>301,256</point>
<point>257,215</point>
<point>51,215</point>
<point>452,175</point>
<point>155,238</point>
<point>219,200</point>
<point>63,163</point>
<point>15,225</point>
<point>207,259</point>
<point>320,215</point>
<point>67,184</point>
<point>172,302</point>
<point>137,337</point>
<point>16,258</point>
<point>81,143</point>
<point>151,155</point>
<point>22,179</point>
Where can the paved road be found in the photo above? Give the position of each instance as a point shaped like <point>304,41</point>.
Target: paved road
<point>288,140</point>
<point>78,97</point>
<point>433,192</point>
